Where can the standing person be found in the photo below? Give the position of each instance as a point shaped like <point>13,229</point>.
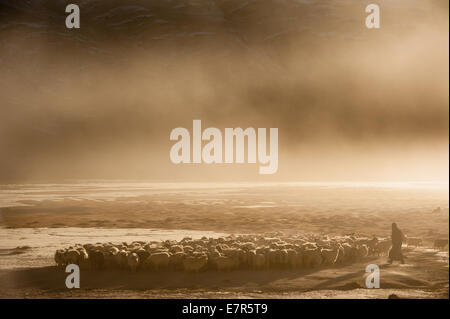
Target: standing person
<point>395,253</point>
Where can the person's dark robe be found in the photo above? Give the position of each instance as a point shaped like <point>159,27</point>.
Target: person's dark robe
<point>395,252</point>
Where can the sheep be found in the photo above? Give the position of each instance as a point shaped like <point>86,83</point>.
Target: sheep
<point>225,253</point>
<point>242,259</point>
<point>88,247</point>
<point>340,257</point>
<point>188,249</point>
<point>143,255</point>
<point>72,256</point>
<point>248,245</point>
<point>312,258</point>
<point>121,259</point>
<point>60,258</point>
<point>185,239</point>
<point>213,252</point>
<point>440,243</point>
<point>97,260</point>
<point>371,245</point>
<point>176,261</point>
<point>349,252</point>
<point>134,247</point>
<point>362,251</point>
<point>272,258</point>
<point>153,247</point>
<point>278,258</point>
<point>259,261</point>
<point>329,255</point>
<point>133,261</point>
<point>195,263</point>
<point>309,245</point>
<point>382,248</point>
<point>271,240</point>
<point>251,255</point>
<point>224,263</point>
<point>414,241</point>
<point>158,260</point>
<point>110,260</point>
<point>113,250</point>
<point>292,258</point>
<point>299,258</point>
<point>83,259</point>
<point>176,249</point>
<point>231,252</point>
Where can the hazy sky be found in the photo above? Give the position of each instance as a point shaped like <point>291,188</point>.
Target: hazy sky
<point>100,102</point>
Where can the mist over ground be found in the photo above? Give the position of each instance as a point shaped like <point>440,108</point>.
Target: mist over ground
<point>100,102</point>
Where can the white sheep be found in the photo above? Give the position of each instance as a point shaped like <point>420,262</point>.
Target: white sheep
<point>176,260</point>
<point>292,258</point>
<point>224,263</point>
<point>383,246</point>
<point>329,255</point>
<point>195,263</point>
<point>414,241</point>
<point>72,256</point>
<point>133,261</point>
<point>362,251</point>
<point>158,260</point>
<point>121,259</point>
<point>312,258</point>
<point>60,258</point>
<point>440,243</point>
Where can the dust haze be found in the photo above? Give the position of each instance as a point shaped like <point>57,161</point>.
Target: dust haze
<point>100,102</point>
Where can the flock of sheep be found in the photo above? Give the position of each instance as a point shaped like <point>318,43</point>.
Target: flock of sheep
<point>224,253</point>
